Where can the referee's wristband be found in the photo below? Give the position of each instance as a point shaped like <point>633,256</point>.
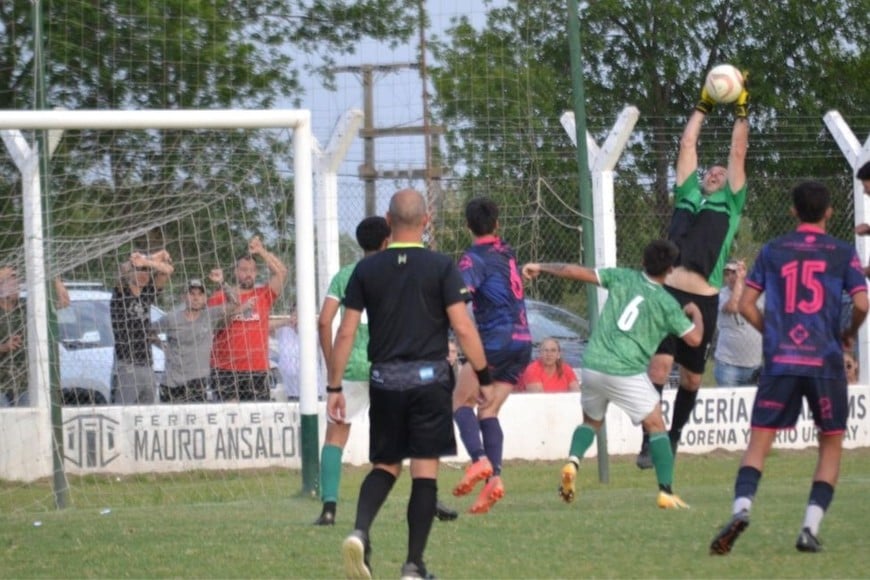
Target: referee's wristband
<point>483,377</point>
<point>333,389</point>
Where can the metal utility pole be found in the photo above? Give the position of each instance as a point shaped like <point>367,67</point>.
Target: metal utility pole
<point>369,132</point>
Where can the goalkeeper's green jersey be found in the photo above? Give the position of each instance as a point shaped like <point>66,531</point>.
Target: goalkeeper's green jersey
<point>638,314</point>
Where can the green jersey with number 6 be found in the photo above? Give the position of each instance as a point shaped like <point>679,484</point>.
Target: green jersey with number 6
<point>638,314</point>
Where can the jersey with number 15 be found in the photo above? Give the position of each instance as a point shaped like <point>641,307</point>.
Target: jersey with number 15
<point>802,276</point>
<point>638,314</point>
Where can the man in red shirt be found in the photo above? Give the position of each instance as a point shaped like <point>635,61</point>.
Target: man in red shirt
<point>240,352</point>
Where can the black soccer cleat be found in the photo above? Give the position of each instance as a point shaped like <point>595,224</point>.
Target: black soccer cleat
<point>327,518</point>
<point>807,542</point>
<point>444,513</point>
<point>724,540</point>
<point>644,459</point>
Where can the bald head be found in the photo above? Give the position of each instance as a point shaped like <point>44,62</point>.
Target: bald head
<point>407,209</point>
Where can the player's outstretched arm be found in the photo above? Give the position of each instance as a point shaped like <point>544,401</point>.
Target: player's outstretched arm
<point>337,363</point>
<point>570,271</point>
<point>328,312</point>
<point>749,308</point>
<point>472,347</point>
<point>687,158</point>
<point>739,140</point>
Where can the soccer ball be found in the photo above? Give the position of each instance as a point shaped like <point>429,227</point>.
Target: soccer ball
<point>724,83</point>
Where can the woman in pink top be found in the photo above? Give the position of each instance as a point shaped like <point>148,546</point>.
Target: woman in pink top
<point>549,373</point>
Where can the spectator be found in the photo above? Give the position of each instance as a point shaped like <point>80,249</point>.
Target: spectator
<point>286,333</point>
<point>453,356</point>
<point>189,335</point>
<point>412,297</point>
<point>863,175</point>
<point>851,364</point>
<point>141,279</point>
<point>240,352</point>
<point>738,347</point>
<point>13,342</point>
<point>549,373</point>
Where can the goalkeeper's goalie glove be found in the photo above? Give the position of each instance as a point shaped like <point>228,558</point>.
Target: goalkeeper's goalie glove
<point>706,103</point>
<point>741,105</point>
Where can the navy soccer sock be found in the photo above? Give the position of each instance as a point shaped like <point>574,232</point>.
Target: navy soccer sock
<point>493,442</point>
<point>469,431</point>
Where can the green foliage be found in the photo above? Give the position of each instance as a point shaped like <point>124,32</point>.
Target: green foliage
<point>502,88</point>
<point>175,55</point>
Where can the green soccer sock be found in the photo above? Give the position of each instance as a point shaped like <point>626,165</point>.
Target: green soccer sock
<point>582,439</point>
<point>662,458</point>
<point>330,472</point>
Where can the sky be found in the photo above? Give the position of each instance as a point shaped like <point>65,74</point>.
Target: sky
<point>398,101</point>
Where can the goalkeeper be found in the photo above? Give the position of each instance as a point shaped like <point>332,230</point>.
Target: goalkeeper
<point>705,220</point>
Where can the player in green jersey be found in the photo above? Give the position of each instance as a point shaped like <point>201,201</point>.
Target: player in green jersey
<point>638,314</point>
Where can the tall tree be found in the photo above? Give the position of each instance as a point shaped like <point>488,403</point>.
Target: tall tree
<point>181,54</point>
<point>502,88</point>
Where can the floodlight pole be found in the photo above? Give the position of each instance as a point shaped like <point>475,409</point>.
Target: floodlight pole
<point>587,223</point>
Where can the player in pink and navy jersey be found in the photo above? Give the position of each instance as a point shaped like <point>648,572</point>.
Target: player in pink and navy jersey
<point>489,268</point>
<point>802,276</point>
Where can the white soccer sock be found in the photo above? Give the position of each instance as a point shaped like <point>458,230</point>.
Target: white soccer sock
<point>740,504</point>
<point>813,518</point>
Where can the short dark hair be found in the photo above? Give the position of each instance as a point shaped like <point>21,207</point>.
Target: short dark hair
<point>481,215</point>
<point>811,199</point>
<point>863,172</point>
<point>658,256</point>
<point>246,257</point>
<point>371,233</point>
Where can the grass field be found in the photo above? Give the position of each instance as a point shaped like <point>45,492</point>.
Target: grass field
<point>258,526</point>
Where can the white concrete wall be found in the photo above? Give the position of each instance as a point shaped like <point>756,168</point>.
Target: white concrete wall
<point>540,426</point>
<point>171,438</point>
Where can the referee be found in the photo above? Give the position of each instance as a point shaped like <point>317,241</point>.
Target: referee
<point>411,297</point>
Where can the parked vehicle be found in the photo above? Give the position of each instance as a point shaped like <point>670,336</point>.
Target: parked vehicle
<point>571,330</point>
<point>86,345</point>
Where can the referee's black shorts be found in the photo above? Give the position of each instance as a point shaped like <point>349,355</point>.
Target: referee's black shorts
<point>411,412</point>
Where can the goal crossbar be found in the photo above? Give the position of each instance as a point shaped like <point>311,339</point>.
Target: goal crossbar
<point>156,119</point>
<point>13,121</point>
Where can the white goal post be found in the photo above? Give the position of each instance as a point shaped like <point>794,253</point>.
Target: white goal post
<point>29,464</point>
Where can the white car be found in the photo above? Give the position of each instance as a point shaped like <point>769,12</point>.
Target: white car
<point>86,346</point>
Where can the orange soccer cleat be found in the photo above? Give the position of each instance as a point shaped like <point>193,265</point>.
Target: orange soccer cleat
<point>489,495</point>
<point>477,471</point>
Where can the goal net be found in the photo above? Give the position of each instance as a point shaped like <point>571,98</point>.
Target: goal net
<point>196,186</point>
